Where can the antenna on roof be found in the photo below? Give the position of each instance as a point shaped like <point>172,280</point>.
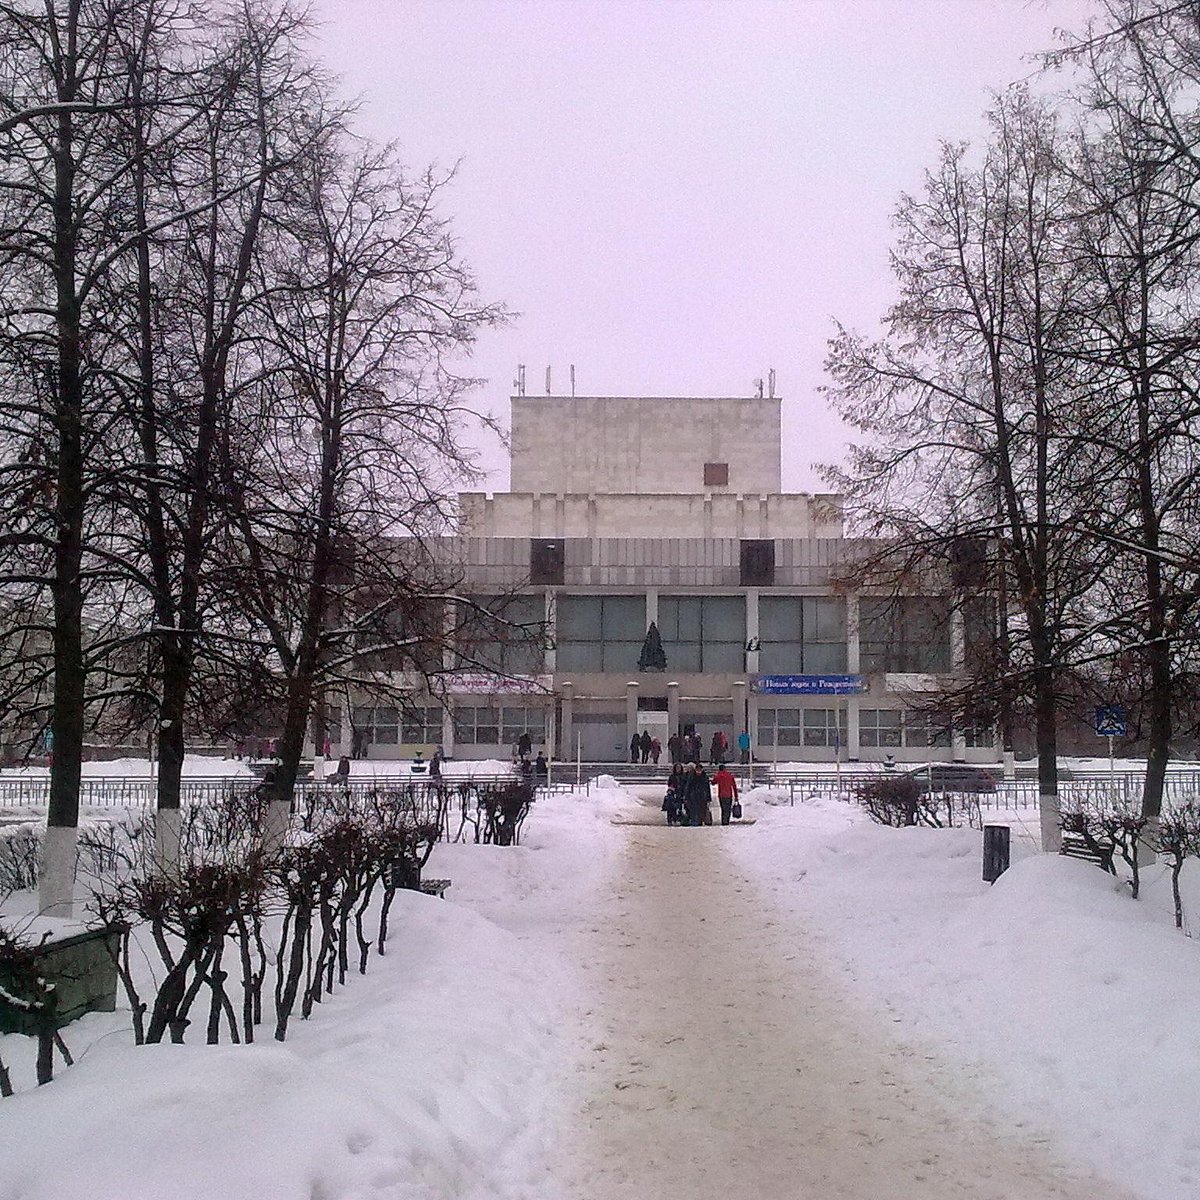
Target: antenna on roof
<point>519,382</point>
<point>547,381</point>
<point>771,383</point>
<point>572,379</point>
<point>758,389</point>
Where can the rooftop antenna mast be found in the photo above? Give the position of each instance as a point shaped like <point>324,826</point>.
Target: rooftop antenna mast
<point>771,383</point>
<point>519,382</point>
<point>572,380</point>
<point>548,381</point>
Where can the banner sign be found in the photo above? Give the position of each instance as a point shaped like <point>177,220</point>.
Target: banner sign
<point>808,685</point>
<point>485,683</point>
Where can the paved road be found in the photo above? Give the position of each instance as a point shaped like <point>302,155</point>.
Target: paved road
<point>721,1062</point>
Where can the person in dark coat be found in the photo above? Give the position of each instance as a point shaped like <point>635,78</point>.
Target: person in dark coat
<point>673,801</point>
<point>675,749</point>
<point>541,768</point>
<point>716,749</point>
<point>645,742</point>
<point>635,748</point>
<point>435,764</point>
<point>699,797</point>
<point>524,745</point>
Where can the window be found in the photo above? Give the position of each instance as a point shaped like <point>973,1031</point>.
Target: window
<point>904,634</point>
<point>979,735</point>
<point>824,727</point>
<point>511,641</point>
<point>477,726</point>
<point>894,727</point>
<point>880,727</point>
<point>757,563</point>
<point>421,725</point>
<point>703,633</point>
<point>716,474</point>
<point>547,562</point>
<point>802,635</point>
<point>786,727</point>
<point>515,721</point>
<point>488,725</point>
<point>376,726</point>
<point>600,633</point>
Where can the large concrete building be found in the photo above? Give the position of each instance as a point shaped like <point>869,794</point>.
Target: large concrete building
<point>631,511</point>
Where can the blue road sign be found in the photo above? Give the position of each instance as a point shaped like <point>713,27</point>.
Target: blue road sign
<point>1111,720</point>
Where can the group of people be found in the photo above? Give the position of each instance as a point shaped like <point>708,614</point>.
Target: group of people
<point>688,800</point>
<point>644,748</point>
<point>539,768</point>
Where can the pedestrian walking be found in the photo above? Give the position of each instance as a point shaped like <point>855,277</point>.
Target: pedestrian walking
<point>699,797</point>
<point>435,764</point>
<point>673,801</point>
<point>716,750</point>
<point>655,750</point>
<point>635,748</point>
<point>744,748</point>
<point>675,749</point>
<point>727,791</point>
<point>644,743</point>
<point>541,768</point>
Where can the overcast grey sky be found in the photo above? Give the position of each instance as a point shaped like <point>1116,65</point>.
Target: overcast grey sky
<point>677,195</point>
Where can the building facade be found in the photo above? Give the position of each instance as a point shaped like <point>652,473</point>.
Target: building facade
<point>631,511</point>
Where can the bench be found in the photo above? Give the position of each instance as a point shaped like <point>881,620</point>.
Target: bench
<point>435,887</point>
<point>1075,846</point>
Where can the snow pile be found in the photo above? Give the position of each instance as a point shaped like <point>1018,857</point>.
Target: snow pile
<point>417,1079</point>
<point>1073,1003</point>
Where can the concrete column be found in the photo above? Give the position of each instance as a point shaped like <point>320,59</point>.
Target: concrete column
<point>853,656</point>
<point>852,728</point>
<point>566,734</point>
<point>958,664</point>
<point>739,712</point>
<point>631,712</point>
<point>447,730</point>
<point>651,606</point>
<point>551,619</point>
<point>752,595</point>
<point>672,708</point>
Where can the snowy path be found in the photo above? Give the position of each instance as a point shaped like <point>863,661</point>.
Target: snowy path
<point>721,1062</point>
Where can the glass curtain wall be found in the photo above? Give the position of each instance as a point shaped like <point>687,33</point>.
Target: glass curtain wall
<point>600,633</point>
<point>703,633</point>
<point>802,635</point>
<point>905,634</point>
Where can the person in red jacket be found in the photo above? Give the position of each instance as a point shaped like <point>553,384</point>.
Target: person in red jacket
<point>727,791</point>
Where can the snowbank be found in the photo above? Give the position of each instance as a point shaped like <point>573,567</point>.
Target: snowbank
<point>1073,1002</point>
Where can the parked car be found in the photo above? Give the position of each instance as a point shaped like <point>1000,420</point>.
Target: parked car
<point>954,777</point>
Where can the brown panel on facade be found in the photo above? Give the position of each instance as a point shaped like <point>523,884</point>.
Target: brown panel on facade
<point>547,562</point>
<point>757,563</point>
<point>716,474</point>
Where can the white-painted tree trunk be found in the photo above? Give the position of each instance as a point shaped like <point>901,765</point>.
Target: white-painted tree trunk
<point>1048,813</point>
<point>275,835</point>
<point>56,882</point>
<point>167,823</point>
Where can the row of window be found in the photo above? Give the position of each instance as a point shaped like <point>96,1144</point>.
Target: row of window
<point>503,725</point>
<point>383,725</point>
<point>796,634</point>
<point>877,727</point>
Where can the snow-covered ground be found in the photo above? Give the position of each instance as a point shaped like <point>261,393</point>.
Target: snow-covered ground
<point>809,1005</point>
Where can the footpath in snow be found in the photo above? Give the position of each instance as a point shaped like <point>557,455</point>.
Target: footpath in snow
<point>725,1062</point>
